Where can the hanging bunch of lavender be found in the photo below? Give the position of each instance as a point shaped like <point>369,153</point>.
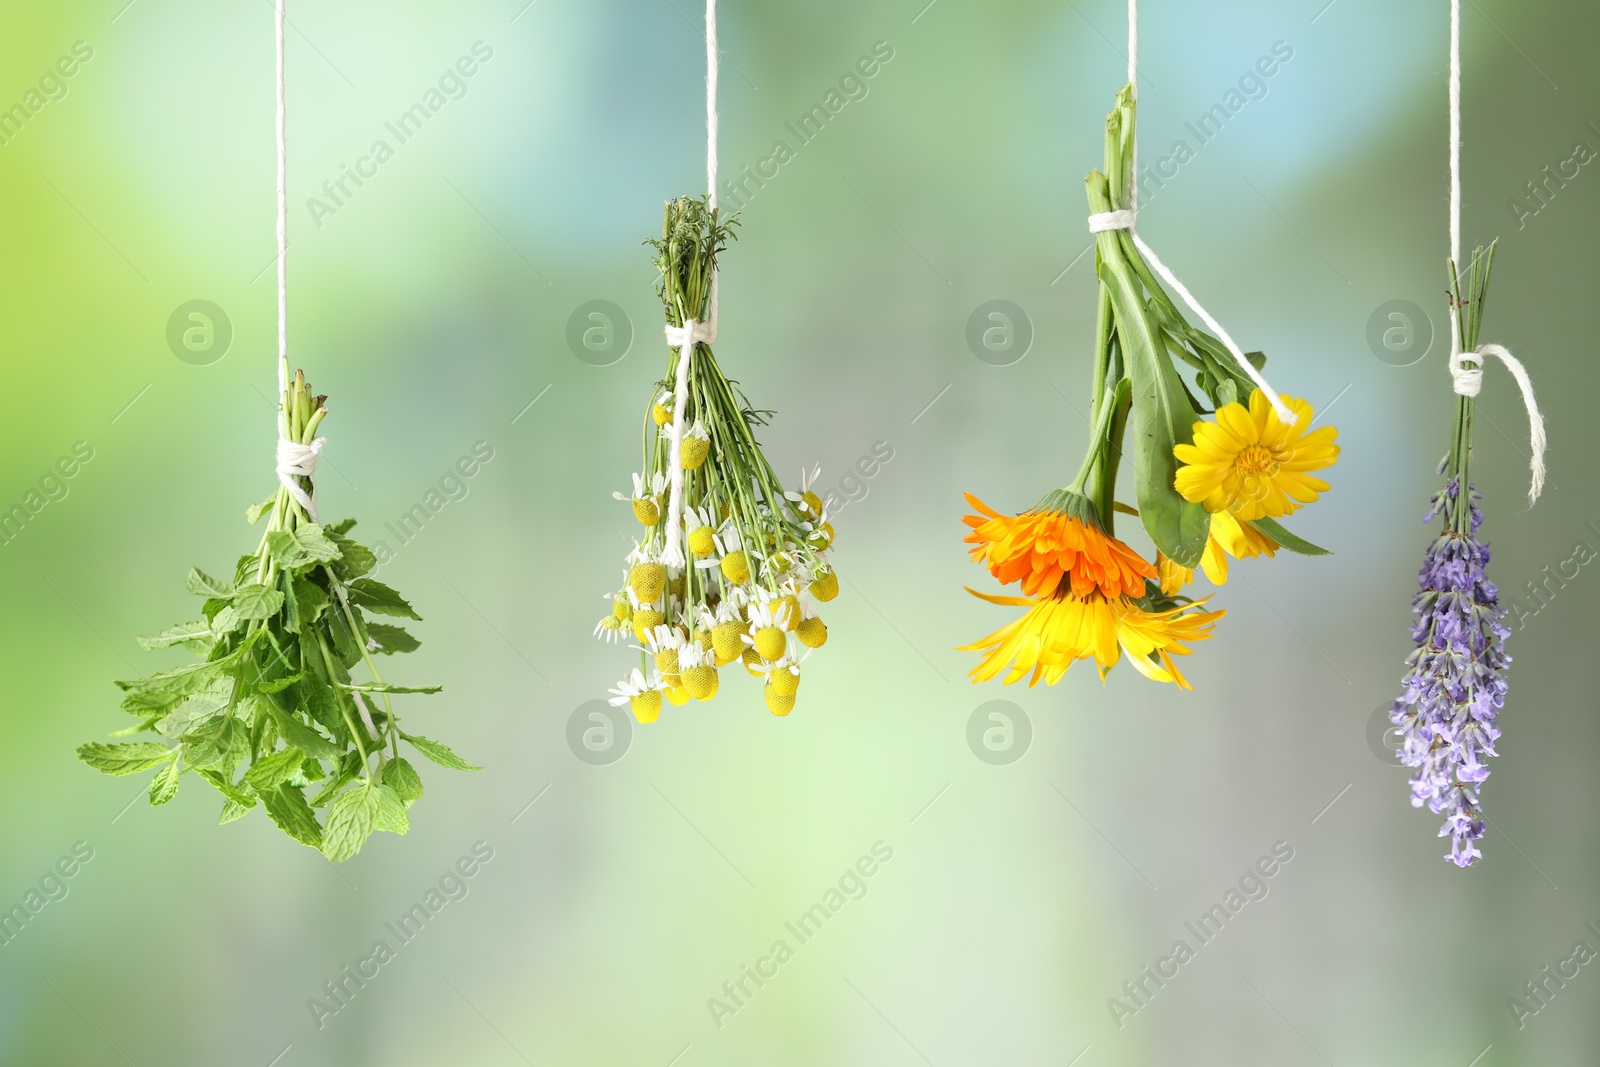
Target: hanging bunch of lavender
<point>1455,681</point>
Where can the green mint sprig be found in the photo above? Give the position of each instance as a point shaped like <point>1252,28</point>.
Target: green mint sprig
<point>271,709</point>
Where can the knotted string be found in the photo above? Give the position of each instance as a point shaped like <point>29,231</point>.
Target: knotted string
<point>1466,368</point>
<point>1126,219</point>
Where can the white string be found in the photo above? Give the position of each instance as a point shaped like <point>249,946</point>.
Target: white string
<point>1105,221</point>
<point>685,337</point>
<point>283,216</point>
<point>1466,368</point>
<point>296,460</point>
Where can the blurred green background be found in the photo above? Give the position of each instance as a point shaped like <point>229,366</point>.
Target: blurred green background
<point>433,306</point>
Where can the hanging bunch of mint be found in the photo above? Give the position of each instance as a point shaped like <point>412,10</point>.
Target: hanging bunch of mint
<point>270,715</point>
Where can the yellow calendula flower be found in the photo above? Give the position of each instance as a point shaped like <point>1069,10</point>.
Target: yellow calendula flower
<point>1061,629</point>
<point>1250,463</point>
<point>1229,537</point>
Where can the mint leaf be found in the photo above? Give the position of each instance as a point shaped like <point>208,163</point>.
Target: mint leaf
<point>391,639</point>
<point>301,547</point>
<point>125,759</point>
<point>243,798</point>
<point>272,771</point>
<point>439,753</point>
<point>256,601</point>
<point>301,736</point>
<point>164,786</point>
<point>188,634</point>
<point>391,815</point>
<point>253,513</point>
<point>287,807</point>
<point>385,687</point>
<point>355,559</point>
<point>399,775</point>
<point>374,596</point>
<point>202,584</point>
<point>351,820</point>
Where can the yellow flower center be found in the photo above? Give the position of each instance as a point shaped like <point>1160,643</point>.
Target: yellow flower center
<point>1257,459</point>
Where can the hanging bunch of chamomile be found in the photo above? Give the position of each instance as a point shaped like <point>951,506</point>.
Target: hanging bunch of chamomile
<point>270,709</point>
<point>1206,489</point>
<point>729,569</point>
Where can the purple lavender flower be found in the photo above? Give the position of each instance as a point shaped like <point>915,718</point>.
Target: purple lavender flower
<point>1455,679</point>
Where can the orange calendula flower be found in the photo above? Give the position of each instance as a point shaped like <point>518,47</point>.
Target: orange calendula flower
<point>1229,537</point>
<point>1058,539</point>
<point>1061,629</point>
<point>1250,463</point>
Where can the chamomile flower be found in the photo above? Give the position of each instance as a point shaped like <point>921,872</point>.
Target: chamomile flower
<point>807,502</point>
<point>642,695</point>
<point>661,409</point>
<point>698,671</point>
<point>646,498</point>
<point>764,634</point>
<point>694,446</point>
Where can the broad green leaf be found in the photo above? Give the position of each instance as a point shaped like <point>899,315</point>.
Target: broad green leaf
<point>255,601</point>
<point>1274,529</point>
<point>287,807</point>
<point>303,737</point>
<point>1161,417</point>
<point>202,584</point>
<point>391,816</point>
<point>340,528</point>
<point>385,687</point>
<point>391,639</point>
<point>188,634</point>
<point>301,547</point>
<point>439,753</point>
<point>351,819</point>
<point>372,595</point>
<point>125,759</point>
<point>399,775</point>
<point>164,786</point>
<point>272,771</point>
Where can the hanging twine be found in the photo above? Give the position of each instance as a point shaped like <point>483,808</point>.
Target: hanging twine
<point>1125,220</point>
<point>295,460</point>
<point>1466,368</point>
<point>685,337</point>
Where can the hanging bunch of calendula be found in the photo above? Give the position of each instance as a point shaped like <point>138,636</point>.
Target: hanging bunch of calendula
<point>271,709</point>
<point>1206,489</point>
<point>730,568</point>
